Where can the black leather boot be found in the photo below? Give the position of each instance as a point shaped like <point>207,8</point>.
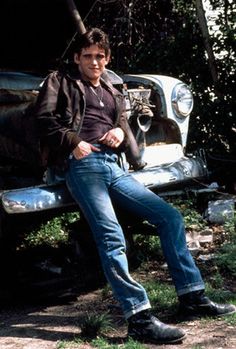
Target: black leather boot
<point>195,305</point>
<point>145,327</point>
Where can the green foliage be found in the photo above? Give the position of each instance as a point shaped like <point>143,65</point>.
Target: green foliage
<point>95,324</point>
<point>231,320</point>
<point>148,247</point>
<point>161,295</point>
<point>217,280</point>
<point>187,207</point>
<point>75,343</point>
<point>229,227</point>
<point>102,343</point>
<point>61,345</point>
<point>164,37</point>
<point>106,291</point>
<point>53,233</point>
<point>225,258</point>
<point>218,295</point>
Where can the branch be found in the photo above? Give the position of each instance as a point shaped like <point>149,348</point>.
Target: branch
<point>76,16</point>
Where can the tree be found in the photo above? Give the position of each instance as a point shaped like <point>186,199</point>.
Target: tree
<point>206,37</point>
<point>173,36</point>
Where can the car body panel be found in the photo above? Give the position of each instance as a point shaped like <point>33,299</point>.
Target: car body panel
<point>162,143</point>
<point>164,85</point>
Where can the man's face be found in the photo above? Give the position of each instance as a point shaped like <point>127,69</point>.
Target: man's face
<point>92,62</point>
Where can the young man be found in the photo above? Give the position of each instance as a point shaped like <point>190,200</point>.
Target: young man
<point>83,124</point>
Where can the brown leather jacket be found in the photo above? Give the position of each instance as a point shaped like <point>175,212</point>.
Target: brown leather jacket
<point>60,111</point>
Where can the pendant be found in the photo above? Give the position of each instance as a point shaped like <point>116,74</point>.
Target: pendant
<point>101,103</point>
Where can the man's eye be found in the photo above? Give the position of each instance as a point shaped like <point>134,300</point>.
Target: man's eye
<point>99,57</point>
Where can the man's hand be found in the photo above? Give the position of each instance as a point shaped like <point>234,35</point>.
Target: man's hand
<point>113,138</point>
<point>83,149</point>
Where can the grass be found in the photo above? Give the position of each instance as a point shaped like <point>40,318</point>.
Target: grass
<point>95,324</point>
<point>231,319</point>
<point>219,295</point>
<point>75,343</point>
<point>225,258</point>
<point>162,295</point>
<point>101,343</point>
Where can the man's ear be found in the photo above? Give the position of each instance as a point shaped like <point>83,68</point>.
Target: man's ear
<point>108,57</point>
<point>76,58</point>
<point>107,60</point>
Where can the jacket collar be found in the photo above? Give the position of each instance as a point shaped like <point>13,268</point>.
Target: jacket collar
<point>75,75</point>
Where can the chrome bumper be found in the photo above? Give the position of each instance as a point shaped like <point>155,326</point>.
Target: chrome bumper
<point>33,199</point>
<point>44,197</point>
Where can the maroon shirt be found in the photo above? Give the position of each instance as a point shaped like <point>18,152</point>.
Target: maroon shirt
<point>99,115</point>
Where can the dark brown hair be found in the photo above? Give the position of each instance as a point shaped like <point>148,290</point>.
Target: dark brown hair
<point>94,36</point>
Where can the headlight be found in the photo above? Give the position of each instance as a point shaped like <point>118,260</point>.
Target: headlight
<point>182,100</point>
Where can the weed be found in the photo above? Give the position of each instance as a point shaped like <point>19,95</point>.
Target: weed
<point>192,218</point>
<point>218,295</point>
<point>148,247</point>
<point>95,324</point>
<point>225,258</point>
<point>106,291</point>
<point>229,227</point>
<point>231,320</point>
<point>102,343</point>
<point>61,345</point>
<point>68,344</point>
<point>217,280</point>
<point>53,233</point>
<point>162,296</point>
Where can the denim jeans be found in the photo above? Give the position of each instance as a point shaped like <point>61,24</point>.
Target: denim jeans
<point>96,182</point>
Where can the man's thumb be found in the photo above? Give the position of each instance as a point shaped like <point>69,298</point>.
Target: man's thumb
<point>93,148</point>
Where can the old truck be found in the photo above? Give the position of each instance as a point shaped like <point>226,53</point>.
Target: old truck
<point>158,110</point>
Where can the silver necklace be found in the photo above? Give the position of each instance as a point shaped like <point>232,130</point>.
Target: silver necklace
<point>99,98</point>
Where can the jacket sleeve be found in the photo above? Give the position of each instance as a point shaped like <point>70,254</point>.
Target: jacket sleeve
<point>54,128</point>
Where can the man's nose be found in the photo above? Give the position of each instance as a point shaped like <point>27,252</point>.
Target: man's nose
<point>94,60</point>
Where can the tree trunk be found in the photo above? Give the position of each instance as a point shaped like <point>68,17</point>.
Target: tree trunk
<point>206,38</point>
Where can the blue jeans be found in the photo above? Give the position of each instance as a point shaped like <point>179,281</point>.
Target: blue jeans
<point>96,182</point>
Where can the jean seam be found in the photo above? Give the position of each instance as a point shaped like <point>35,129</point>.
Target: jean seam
<point>163,221</point>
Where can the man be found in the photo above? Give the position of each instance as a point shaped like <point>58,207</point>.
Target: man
<point>82,122</point>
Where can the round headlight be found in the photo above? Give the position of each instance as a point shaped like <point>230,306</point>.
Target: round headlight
<point>182,100</point>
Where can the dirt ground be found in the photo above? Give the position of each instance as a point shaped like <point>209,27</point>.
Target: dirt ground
<point>54,323</point>
<point>45,326</point>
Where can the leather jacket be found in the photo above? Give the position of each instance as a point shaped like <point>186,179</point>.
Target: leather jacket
<point>60,111</point>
